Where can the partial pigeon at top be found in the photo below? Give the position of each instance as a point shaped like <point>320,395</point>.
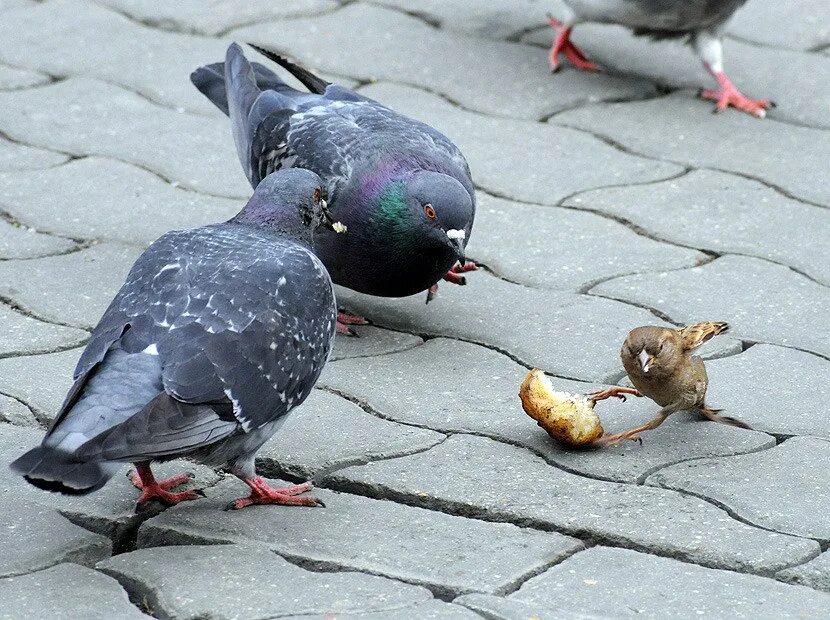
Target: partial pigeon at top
<point>402,188</point>
<point>701,21</point>
<point>217,333</point>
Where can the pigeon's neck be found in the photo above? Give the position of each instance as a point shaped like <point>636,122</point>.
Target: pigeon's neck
<point>283,221</point>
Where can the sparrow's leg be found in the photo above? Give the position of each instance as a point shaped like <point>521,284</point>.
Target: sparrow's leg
<point>562,45</point>
<point>710,50</point>
<point>714,416</point>
<point>151,488</point>
<point>454,276</point>
<point>264,493</point>
<point>634,433</point>
<point>616,392</point>
<point>344,320</point>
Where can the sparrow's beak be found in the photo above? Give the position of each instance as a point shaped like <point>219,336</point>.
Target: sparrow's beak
<point>329,221</point>
<point>646,360</point>
<point>457,238</point>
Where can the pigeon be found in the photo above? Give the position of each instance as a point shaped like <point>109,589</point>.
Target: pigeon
<point>402,188</point>
<point>217,333</point>
<point>659,364</point>
<point>700,21</point>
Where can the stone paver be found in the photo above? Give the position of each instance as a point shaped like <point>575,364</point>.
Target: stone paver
<point>815,573</point>
<point>785,489</point>
<point>451,555</point>
<point>303,445</point>
<point>107,120</point>
<point>564,249</point>
<point>461,387</point>
<point>13,78</point>
<point>775,389</point>
<point>723,213</point>
<point>761,301</point>
<point>620,583</point>
<point>15,412</point>
<point>108,199</point>
<point>492,480</point>
<point>24,335</point>
<point>18,241</point>
<point>14,156</point>
<point>64,591</point>
<point>372,341</point>
<point>769,22</point>
<point>41,381</point>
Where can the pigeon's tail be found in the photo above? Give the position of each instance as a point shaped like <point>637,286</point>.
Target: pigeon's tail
<point>307,78</point>
<point>53,470</point>
<point>210,80</point>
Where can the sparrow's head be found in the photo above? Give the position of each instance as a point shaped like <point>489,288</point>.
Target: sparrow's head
<point>655,349</point>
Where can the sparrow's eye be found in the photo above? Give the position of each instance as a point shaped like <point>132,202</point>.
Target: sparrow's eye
<point>429,210</point>
<point>318,193</point>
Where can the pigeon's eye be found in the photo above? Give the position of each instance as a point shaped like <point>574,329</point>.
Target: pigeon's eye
<point>429,210</point>
<point>318,193</point>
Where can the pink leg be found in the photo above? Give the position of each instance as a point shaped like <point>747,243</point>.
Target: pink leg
<point>454,276</point>
<point>344,320</point>
<point>562,45</point>
<point>728,95</point>
<point>263,493</point>
<point>151,488</point>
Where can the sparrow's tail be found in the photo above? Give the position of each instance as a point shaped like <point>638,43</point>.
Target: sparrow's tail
<point>54,470</point>
<point>695,335</point>
<point>715,416</point>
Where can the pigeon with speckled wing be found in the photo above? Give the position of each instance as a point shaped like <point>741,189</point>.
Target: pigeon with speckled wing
<point>402,188</point>
<point>217,333</point>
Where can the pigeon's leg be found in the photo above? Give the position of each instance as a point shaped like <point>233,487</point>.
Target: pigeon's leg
<point>562,45</point>
<point>710,50</point>
<point>616,392</point>
<point>345,319</point>
<point>151,488</point>
<point>264,493</point>
<point>634,433</point>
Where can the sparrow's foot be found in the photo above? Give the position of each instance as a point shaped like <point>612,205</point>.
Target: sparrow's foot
<point>345,319</point>
<point>617,438</point>
<point>562,45</point>
<point>616,392</point>
<point>728,95</point>
<point>152,489</point>
<point>263,493</point>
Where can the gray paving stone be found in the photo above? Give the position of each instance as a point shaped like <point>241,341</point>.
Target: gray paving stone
<point>563,161</point>
<point>621,583</point>
<point>73,288</point>
<point>33,539</point>
<point>15,156</point>
<point>108,199</point>
<point>765,380</point>
<point>12,78</point>
<point>688,130</point>
<point>23,335</point>
<point>467,64</point>
<point>41,381</point>
<point>815,573</point>
<point>14,412</point>
<point>564,249</point>
<point>492,480</point>
<point>499,608</point>
<point>195,151</point>
<point>760,300</point>
<point>423,611</point>
<point>451,555</point>
<point>724,213</point>
<point>800,24</point>
<point>237,581</point>
<point>214,17</point>
<point>372,341</point>
<point>8,5</point>
<point>329,431</point>
<point>460,387</point>
<point>22,242</point>
<point>784,489</point>
<point>61,593</point>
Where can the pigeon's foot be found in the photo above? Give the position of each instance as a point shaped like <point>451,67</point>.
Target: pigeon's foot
<point>344,320</point>
<point>615,392</point>
<point>562,45</point>
<point>152,489</point>
<point>263,493</point>
<point>454,276</point>
<point>728,95</point>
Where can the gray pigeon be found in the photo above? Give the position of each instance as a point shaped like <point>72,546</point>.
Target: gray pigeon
<point>216,335</point>
<point>700,21</point>
<point>402,188</point>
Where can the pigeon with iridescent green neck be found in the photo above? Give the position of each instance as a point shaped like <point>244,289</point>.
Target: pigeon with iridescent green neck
<point>402,188</point>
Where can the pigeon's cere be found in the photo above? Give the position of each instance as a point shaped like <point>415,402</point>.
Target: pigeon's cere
<point>216,335</point>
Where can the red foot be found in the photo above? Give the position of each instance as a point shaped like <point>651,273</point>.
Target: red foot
<point>152,489</point>
<point>727,95</point>
<point>344,320</point>
<point>453,275</point>
<point>562,45</point>
<point>263,493</point>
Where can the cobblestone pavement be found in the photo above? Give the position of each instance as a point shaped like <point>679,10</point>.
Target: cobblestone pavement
<point>606,202</point>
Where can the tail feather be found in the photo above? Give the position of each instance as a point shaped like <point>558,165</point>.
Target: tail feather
<point>715,416</point>
<point>695,335</point>
<point>309,80</point>
<point>210,81</point>
<point>53,470</point>
<point>242,92</point>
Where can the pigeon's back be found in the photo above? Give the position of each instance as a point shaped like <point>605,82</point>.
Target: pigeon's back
<point>659,18</point>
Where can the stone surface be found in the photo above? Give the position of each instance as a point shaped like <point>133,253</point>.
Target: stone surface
<point>815,573</point>
<point>24,335</point>
<point>775,389</point>
<point>372,341</point>
<point>16,413</point>
<point>458,387</point>
<point>607,582</point>
<point>449,554</point>
<point>688,130</point>
<point>13,78</point>
<point>772,23</point>
<point>62,592</point>
<point>491,480</point>
<point>14,156</point>
<point>784,489</point>
<point>107,199</point>
<point>467,64</point>
<point>723,213</point>
<point>761,301</point>
<point>564,249</point>
<point>328,431</point>
<point>74,288</point>
<point>40,381</point>
<point>33,539</point>
<point>22,242</point>
<point>195,151</point>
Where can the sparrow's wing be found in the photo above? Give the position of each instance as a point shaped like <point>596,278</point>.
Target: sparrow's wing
<point>692,336</point>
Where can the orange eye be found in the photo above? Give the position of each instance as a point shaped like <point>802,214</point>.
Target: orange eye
<point>430,212</point>
<point>317,194</point>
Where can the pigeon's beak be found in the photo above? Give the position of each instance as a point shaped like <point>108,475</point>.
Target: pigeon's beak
<point>646,360</point>
<point>457,238</point>
<point>329,221</point>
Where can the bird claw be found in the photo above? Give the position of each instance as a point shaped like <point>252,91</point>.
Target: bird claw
<point>344,320</point>
<point>263,493</point>
<point>727,95</point>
